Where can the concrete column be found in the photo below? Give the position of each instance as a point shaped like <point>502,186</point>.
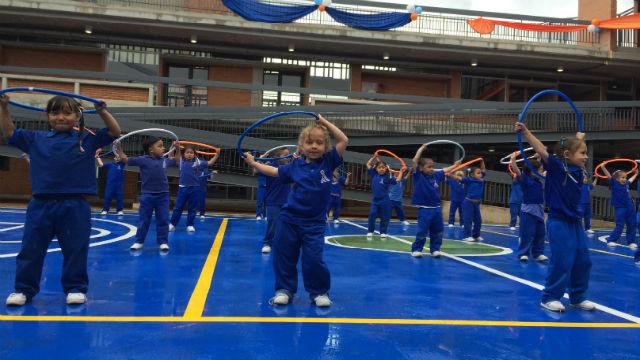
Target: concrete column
<point>600,9</point>
<point>455,85</point>
<point>5,82</point>
<point>356,77</point>
<point>76,87</point>
<point>604,86</point>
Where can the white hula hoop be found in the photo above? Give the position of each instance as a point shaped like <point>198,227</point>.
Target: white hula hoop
<point>170,133</point>
<point>507,159</point>
<point>268,152</point>
<point>449,142</point>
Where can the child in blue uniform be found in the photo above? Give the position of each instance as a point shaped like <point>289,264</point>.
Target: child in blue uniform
<point>624,207</point>
<point>585,202</point>
<point>381,180</point>
<point>274,198</point>
<point>457,197</point>
<point>532,231</point>
<point>426,197</point>
<point>261,189</point>
<point>570,265</point>
<point>204,178</point>
<point>115,183</point>
<point>336,194</point>
<point>395,196</point>
<point>474,193</point>
<point>154,191</point>
<point>62,173</point>
<point>301,224</point>
<point>515,202</point>
<point>189,188</point>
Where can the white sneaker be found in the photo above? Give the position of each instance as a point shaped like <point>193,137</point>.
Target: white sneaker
<point>611,243</point>
<point>201,217</point>
<point>542,258</point>
<point>553,305</point>
<point>120,212</point>
<point>416,254</point>
<point>164,247</point>
<point>258,217</point>
<point>590,231</point>
<point>76,298</point>
<point>281,298</point>
<point>633,246</point>
<point>524,258</point>
<point>469,239</point>
<point>585,305</point>
<point>171,227</point>
<point>383,236</point>
<point>136,246</point>
<point>436,254</point>
<point>103,212</point>
<point>266,249</point>
<point>336,221</point>
<point>406,223</point>
<point>450,225</point>
<point>322,300</point>
<point>191,229</point>
<point>369,235</point>
<point>513,228</point>
<point>16,299</point>
<point>479,238</point>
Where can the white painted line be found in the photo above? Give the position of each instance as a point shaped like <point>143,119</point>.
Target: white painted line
<point>604,238</point>
<point>12,228</point>
<point>532,284</point>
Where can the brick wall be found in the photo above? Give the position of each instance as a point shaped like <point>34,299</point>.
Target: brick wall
<point>388,84</point>
<point>230,97</point>
<point>53,58</point>
<point>114,92</point>
<point>68,87</point>
<point>15,181</point>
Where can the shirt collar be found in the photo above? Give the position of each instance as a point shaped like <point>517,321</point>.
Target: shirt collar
<point>54,132</point>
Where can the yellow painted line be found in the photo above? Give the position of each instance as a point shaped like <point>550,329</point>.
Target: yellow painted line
<point>199,296</point>
<point>370,321</point>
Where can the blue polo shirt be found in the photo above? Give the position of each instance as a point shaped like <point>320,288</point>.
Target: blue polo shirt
<point>153,171</point>
<point>474,188</point>
<point>277,191</point>
<point>457,190</point>
<point>620,196</point>
<point>115,173</point>
<point>561,191</point>
<point>204,176</point>
<point>380,186</point>
<point>58,166</point>
<point>190,171</point>
<point>585,195</point>
<point>515,197</point>
<point>532,189</point>
<point>309,196</point>
<point>336,186</point>
<point>395,191</point>
<point>262,180</point>
<point>426,188</point>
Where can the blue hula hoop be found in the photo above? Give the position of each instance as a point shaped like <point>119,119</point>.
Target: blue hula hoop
<point>524,112</point>
<point>264,120</point>
<point>47,91</point>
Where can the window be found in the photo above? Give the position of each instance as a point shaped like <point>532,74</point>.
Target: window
<point>186,95</point>
<point>277,98</point>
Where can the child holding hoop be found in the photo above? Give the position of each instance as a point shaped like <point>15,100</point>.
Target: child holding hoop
<point>474,193</point>
<point>115,183</point>
<point>335,203</point>
<point>395,196</point>
<point>623,204</point>
<point>426,197</point>
<point>585,202</point>
<point>275,197</point>
<point>381,181</point>
<point>570,264</point>
<point>515,202</point>
<point>301,224</point>
<point>204,177</point>
<point>189,188</point>
<point>154,195</point>
<point>62,173</point>
<point>457,197</point>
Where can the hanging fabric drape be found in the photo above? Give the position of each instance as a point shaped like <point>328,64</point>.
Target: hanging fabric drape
<point>380,21</point>
<point>626,22</point>
<point>257,11</point>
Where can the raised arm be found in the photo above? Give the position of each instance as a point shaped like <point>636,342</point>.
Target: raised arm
<point>347,179</point>
<point>606,172</point>
<point>341,139</point>
<point>537,145</point>
<point>6,124</point>
<point>120,152</point>
<point>370,161</point>
<point>98,159</point>
<point>178,155</point>
<point>635,175</point>
<point>483,168</point>
<point>263,168</point>
<point>416,158</point>
<point>214,158</point>
<point>400,174</point>
<point>595,181</point>
<point>514,164</point>
<point>110,122</point>
<point>450,168</point>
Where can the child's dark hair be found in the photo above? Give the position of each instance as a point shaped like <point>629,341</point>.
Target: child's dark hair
<point>378,163</point>
<point>61,103</point>
<point>188,147</point>
<point>148,143</point>
<point>535,164</point>
<point>570,144</point>
<point>425,161</point>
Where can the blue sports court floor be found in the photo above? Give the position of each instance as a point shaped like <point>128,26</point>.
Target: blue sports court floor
<point>208,299</point>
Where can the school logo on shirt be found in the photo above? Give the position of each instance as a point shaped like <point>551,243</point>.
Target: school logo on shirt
<point>324,177</point>
<point>435,184</point>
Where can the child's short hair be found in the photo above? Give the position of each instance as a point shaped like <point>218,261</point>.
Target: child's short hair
<point>425,161</point>
<point>306,132</point>
<point>570,144</point>
<point>616,174</point>
<point>61,103</point>
<point>147,143</point>
<point>278,152</point>
<point>473,169</point>
<point>188,147</point>
<point>459,173</point>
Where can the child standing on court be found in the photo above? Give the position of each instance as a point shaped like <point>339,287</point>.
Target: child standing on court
<point>395,196</point>
<point>585,202</point>
<point>275,196</point>
<point>189,188</point>
<point>381,180</point>
<point>62,173</point>
<point>624,208</point>
<point>426,197</point>
<point>204,177</point>
<point>154,195</point>
<point>532,230</point>
<point>515,202</point>
<point>260,190</point>
<point>457,197</point>
<point>474,193</point>
<point>335,203</point>
<point>115,183</point>
<point>301,224</point>
<point>570,265</point>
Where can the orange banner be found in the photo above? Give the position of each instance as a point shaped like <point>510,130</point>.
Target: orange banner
<point>626,22</point>
<point>486,26</point>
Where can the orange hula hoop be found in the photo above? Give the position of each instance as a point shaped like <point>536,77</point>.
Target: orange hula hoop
<point>200,152</point>
<point>385,151</point>
<point>635,166</point>
<point>461,166</point>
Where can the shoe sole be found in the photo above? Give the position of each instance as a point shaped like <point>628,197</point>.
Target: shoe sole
<point>581,308</point>
<point>550,309</point>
